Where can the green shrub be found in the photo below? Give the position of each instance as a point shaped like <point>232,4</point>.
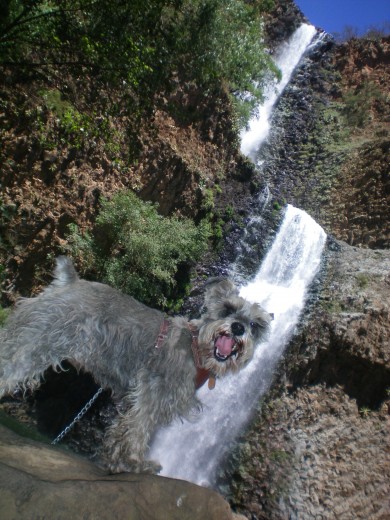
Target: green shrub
<point>3,315</point>
<point>358,102</point>
<point>362,280</point>
<point>139,45</point>
<point>138,251</point>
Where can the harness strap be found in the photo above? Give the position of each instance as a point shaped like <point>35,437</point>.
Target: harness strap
<point>202,374</point>
<point>195,346</point>
<point>162,334</point>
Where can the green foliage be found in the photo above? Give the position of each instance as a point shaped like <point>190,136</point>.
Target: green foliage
<point>221,42</point>
<point>364,412</point>
<point>6,212</point>
<point>218,224</point>
<point>72,126</point>
<point>333,307</point>
<point>221,39</point>
<point>21,428</point>
<point>357,103</point>
<point>229,213</point>
<point>362,280</point>
<point>3,315</point>
<point>280,456</point>
<point>140,45</point>
<point>137,250</point>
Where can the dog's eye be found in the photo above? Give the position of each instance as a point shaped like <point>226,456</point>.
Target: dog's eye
<point>228,310</point>
<point>255,327</point>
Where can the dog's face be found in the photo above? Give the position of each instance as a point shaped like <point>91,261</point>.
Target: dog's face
<point>230,328</point>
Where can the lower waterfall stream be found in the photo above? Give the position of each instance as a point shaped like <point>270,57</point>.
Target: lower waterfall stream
<point>193,450</point>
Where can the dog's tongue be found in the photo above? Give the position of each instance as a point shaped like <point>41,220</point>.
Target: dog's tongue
<point>224,345</point>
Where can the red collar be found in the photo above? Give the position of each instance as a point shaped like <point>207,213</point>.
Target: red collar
<point>202,374</point>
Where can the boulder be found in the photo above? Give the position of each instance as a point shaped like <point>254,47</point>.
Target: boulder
<point>41,481</point>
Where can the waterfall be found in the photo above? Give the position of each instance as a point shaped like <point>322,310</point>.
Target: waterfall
<point>192,450</point>
<point>286,59</point>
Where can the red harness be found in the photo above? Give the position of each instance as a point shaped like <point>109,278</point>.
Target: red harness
<point>202,374</point>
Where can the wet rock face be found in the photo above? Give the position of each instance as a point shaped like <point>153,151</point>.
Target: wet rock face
<point>294,148</point>
<point>282,21</point>
<point>318,447</point>
<point>328,148</point>
<point>321,459</point>
<point>346,341</point>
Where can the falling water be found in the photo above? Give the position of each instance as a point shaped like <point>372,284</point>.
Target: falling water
<point>286,60</point>
<point>192,450</point>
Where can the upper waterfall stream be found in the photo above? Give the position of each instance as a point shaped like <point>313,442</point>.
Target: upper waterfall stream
<point>286,59</point>
<point>193,450</point>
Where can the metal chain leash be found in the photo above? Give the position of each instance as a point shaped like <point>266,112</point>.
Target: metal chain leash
<point>81,414</point>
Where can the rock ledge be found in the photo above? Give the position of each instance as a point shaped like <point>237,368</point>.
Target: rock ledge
<point>39,481</point>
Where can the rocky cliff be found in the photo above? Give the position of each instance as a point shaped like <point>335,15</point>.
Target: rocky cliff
<point>317,446</point>
<point>52,176</point>
<point>331,133</point>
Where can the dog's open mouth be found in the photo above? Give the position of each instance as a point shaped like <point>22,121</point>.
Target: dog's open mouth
<point>225,347</point>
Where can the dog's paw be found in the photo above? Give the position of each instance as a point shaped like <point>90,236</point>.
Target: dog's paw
<point>151,467</point>
<point>134,466</point>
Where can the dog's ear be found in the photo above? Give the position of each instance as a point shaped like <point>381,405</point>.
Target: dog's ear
<point>218,289</point>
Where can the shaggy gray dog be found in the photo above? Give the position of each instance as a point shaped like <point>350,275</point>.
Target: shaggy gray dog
<point>150,363</point>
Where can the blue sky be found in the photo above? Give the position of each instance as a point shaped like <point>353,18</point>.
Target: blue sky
<point>334,15</point>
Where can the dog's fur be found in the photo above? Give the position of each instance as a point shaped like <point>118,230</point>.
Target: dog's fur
<point>113,336</point>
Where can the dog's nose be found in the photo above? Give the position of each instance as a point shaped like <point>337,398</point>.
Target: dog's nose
<point>237,328</point>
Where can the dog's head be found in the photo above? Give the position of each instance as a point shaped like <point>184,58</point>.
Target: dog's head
<point>229,328</point>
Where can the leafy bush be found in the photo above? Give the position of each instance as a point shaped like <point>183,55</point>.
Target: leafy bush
<point>139,45</point>
<point>358,102</point>
<point>221,40</point>
<point>3,315</point>
<point>138,251</point>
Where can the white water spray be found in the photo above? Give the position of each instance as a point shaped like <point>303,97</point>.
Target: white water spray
<point>286,60</point>
<point>193,450</point>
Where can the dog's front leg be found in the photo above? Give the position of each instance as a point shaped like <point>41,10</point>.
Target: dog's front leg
<point>141,411</point>
<point>126,442</point>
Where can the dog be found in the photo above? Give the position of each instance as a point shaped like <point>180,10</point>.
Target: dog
<point>151,363</point>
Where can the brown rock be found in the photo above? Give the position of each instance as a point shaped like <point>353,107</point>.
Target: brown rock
<point>39,481</point>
